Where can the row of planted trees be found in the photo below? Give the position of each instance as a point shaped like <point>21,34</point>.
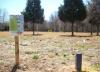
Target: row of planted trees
<point>94,14</point>
<point>71,11</point>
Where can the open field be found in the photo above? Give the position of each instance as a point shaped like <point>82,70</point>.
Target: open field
<point>50,52</point>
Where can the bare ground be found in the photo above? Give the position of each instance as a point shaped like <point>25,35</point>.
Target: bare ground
<point>50,52</point>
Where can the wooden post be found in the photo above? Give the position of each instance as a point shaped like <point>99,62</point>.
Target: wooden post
<point>79,62</point>
<point>17,50</point>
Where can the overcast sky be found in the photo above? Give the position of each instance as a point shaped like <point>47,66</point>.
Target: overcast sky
<point>16,6</point>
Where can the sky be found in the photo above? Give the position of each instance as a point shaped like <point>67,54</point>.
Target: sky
<point>15,7</point>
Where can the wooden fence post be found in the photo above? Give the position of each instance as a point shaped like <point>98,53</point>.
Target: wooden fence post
<point>17,50</point>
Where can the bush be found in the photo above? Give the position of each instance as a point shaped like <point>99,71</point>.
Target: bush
<point>35,56</point>
<point>49,30</point>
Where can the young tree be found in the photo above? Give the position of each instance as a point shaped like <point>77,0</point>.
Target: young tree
<point>33,12</point>
<point>72,10</point>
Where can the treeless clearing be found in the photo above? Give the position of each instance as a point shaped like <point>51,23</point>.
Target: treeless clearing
<point>49,52</point>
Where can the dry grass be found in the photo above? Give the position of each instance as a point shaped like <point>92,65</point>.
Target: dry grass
<point>49,51</point>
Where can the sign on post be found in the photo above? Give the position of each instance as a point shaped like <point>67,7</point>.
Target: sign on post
<point>16,27</point>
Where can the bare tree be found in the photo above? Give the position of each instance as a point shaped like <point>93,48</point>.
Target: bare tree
<point>94,14</point>
<point>55,23</point>
<point>3,18</point>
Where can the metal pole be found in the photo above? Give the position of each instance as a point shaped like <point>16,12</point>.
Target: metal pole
<point>79,62</point>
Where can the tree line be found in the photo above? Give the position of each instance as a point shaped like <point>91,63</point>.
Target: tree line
<point>72,16</point>
<point>71,12</point>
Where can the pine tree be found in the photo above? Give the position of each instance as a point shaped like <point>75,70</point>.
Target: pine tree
<point>33,12</point>
<point>72,10</point>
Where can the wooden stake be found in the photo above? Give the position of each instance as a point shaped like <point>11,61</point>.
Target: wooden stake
<point>17,50</point>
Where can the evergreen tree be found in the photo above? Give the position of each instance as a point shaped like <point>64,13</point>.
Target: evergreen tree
<point>33,12</point>
<point>72,10</point>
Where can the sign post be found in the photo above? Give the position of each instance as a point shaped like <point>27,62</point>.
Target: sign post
<point>16,28</point>
<point>17,49</point>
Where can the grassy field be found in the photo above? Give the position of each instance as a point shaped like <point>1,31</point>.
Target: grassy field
<point>50,52</point>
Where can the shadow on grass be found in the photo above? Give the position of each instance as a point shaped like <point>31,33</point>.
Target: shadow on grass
<point>74,36</point>
<point>15,67</point>
<point>81,71</point>
<point>33,35</point>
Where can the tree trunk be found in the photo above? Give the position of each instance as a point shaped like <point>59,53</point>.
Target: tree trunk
<point>37,28</point>
<point>91,29</point>
<point>82,28</point>
<point>64,27</point>
<point>97,29</point>
<point>33,28</point>
<point>77,27</point>
<point>59,27</point>
<point>54,27</point>
<point>72,28</point>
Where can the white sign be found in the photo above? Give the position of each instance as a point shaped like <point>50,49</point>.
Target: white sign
<point>20,23</point>
<point>16,24</point>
